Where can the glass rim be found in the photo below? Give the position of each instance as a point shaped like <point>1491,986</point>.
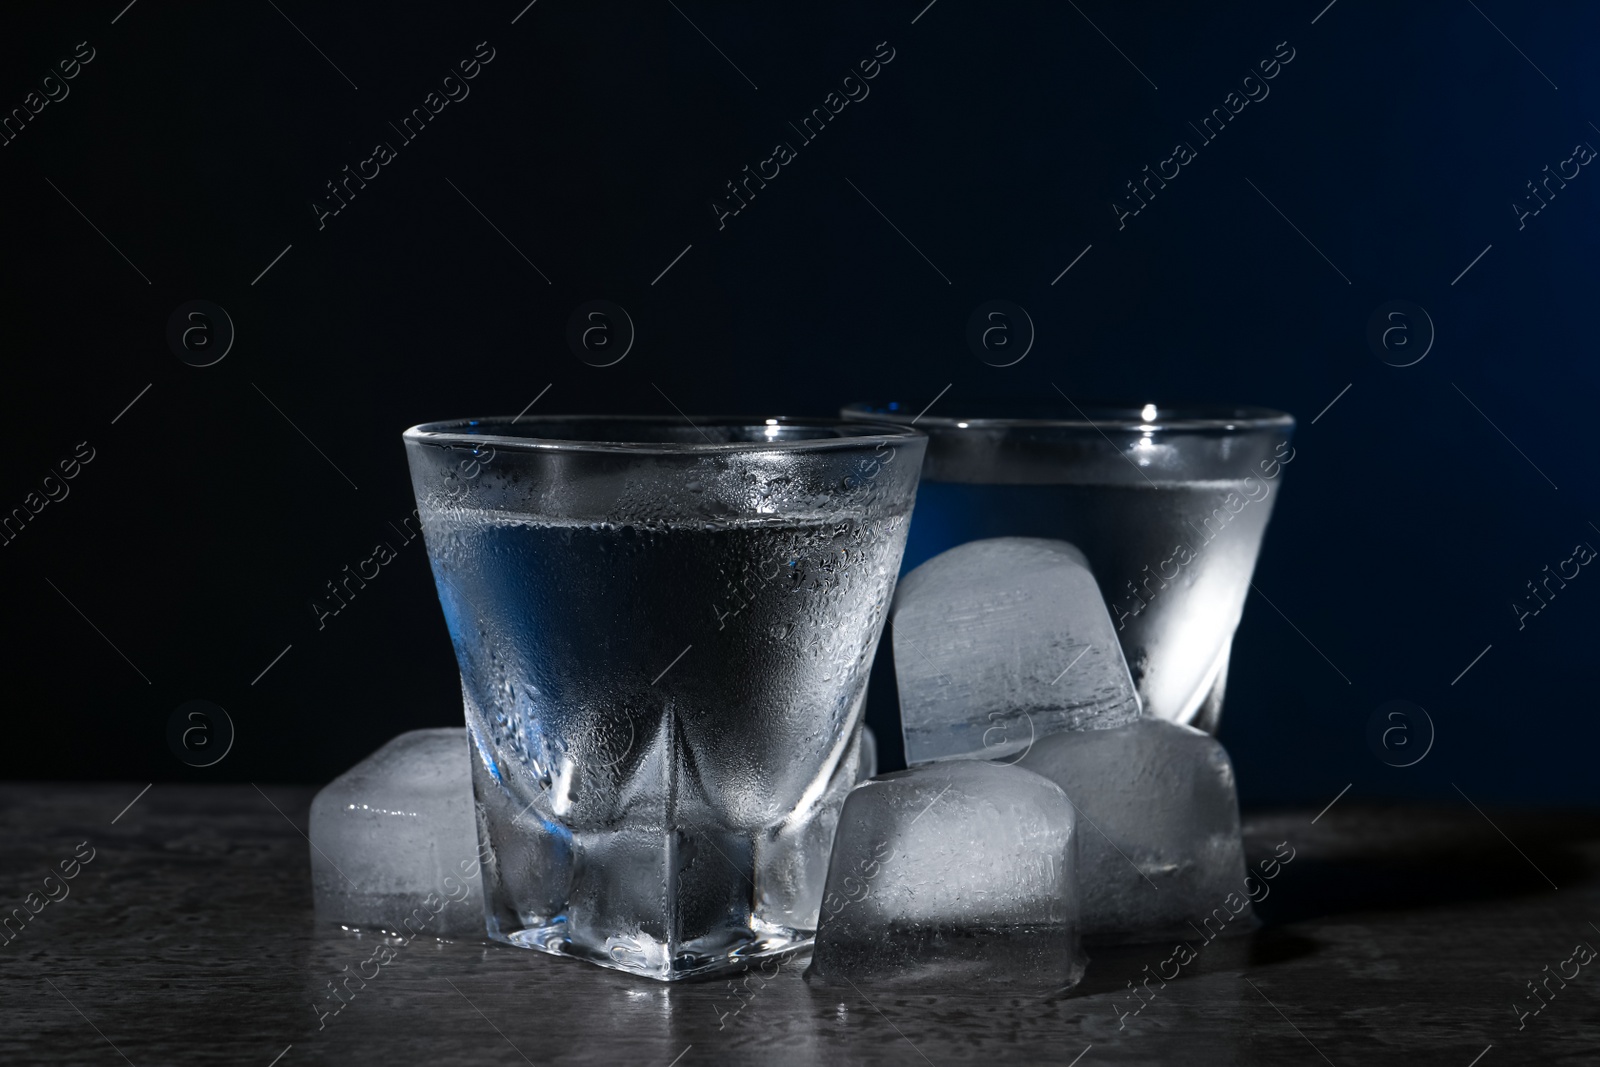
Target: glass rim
<point>846,433</point>
<point>1128,418</point>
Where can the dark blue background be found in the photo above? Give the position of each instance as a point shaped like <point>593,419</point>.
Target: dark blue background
<point>996,140</point>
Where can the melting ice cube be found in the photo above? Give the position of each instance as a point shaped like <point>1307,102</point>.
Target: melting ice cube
<point>955,873</point>
<point>394,842</point>
<point>1000,642</point>
<point>1159,823</point>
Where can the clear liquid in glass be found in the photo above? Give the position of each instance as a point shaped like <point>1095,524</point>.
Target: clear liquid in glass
<point>665,719</point>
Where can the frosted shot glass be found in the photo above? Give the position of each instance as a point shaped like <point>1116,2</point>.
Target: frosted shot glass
<point>664,631</point>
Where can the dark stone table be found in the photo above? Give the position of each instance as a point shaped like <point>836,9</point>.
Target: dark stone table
<point>1394,936</point>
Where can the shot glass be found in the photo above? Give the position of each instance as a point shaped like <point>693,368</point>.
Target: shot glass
<point>664,631</point>
<point>1169,504</point>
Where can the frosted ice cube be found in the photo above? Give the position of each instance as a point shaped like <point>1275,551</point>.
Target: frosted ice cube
<point>954,873</point>
<point>1002,641</point>
<point>1159,820</point>
<point>394,840</point>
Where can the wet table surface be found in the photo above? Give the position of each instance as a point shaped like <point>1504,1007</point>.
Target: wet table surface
<point>1395,935</point>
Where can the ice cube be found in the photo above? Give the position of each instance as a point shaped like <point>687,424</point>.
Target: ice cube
<point>394,840</point>
<point>1000,642</point>
<point>1160,853</point>
<point>955,873</point>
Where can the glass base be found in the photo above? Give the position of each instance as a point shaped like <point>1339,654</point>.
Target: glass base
<point>651,958</point>
<point>667,898</point>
